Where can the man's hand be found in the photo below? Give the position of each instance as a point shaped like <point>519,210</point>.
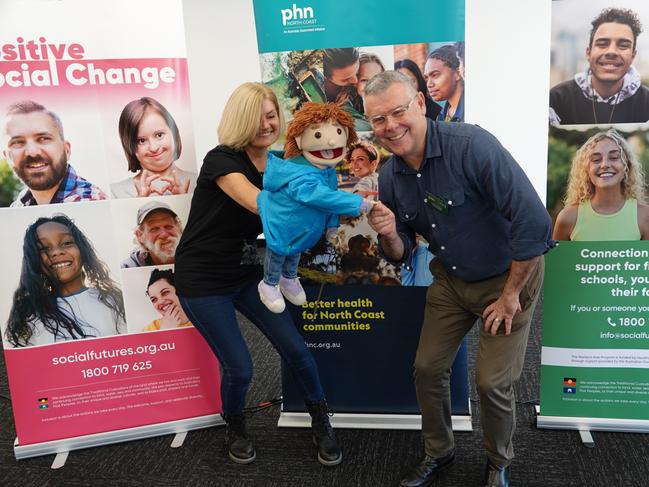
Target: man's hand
<point>382,220</point>
<point>508,304</point>
<point>501,310</point>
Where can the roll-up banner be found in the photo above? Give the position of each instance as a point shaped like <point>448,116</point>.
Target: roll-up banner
<point>595,355</point>
<point>363,315</point>
<point>96,175</point>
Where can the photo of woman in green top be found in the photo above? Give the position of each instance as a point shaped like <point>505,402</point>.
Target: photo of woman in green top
<point>605,198</point>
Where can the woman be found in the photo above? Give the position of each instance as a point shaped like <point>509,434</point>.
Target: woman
<point>363,159</point>
<point>369,65</point>
<point>217,268</point>
<point>161,291</point>
<point>605,198</point>
<point>65,291</point>
<point>412,71</point>
<point>445,83</point>
<point>152,144</point>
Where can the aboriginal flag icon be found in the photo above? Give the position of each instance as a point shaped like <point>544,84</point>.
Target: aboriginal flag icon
<point>42,400</point>
<point>569,382</point>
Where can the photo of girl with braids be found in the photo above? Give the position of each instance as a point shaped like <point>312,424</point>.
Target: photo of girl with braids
<point>65,291</point>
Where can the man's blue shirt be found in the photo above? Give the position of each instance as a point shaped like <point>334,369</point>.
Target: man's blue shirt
<point>470,200</point>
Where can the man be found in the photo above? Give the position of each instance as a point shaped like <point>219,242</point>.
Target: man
<point>39,153</point>
<point>610,91</point>
<point>455,185</point>
<point>158,232</point>
<point>340,68</point>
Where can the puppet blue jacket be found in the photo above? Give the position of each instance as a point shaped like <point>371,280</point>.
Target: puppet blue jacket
<point>298,202</point>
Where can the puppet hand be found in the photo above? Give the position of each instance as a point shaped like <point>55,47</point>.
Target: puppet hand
<point>366,205</point>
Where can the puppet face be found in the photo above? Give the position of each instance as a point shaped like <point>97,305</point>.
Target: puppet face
<point>323,144</point>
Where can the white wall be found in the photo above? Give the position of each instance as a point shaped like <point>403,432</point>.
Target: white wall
<point>507,70</point>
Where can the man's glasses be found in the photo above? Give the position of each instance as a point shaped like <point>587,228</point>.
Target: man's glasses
<point>379,121</point>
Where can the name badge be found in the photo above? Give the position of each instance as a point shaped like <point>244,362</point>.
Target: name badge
<point>436,203</point>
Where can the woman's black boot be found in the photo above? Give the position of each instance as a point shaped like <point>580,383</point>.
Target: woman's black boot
<point>329,453</point>
<point>240,449</point>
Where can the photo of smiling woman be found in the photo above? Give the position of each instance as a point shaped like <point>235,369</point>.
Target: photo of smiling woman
<point>161,291</point>
<point>65,291</point>
<point>152,145</point>
<point>363,159</point>
<point>605,198</point>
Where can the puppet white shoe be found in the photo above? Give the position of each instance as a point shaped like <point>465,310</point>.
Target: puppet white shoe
<point>271,297</point>
<point>292,290</point>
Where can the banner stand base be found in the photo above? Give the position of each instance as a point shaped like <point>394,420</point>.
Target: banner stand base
<point>87,441</point>
<point>178,440</point>
<point>370,421</point>
<point>59,460</point>
<point>587,438</point>
<point>593,424</point>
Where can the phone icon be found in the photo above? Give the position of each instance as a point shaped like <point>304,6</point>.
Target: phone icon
<point>610,321</point>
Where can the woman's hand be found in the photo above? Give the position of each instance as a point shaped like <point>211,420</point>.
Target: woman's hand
<point>171,317</point>
<point>177,183</point>
<point>149,182</point>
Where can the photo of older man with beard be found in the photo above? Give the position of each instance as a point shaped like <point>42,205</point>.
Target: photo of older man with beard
<point>157,233</point>
<point>36,149</point>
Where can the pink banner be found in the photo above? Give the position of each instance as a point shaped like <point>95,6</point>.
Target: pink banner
<point>90,386</point>
<point>84,76</point>
<point>97,171</point>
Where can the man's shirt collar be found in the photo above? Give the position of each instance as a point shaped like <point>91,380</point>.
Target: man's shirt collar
<point>630,86</point>
<point>26,198</point>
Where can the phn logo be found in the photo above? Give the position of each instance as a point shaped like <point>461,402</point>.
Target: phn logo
<point>290,15</point>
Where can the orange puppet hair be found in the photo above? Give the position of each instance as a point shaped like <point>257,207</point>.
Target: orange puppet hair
<point>316,113</point>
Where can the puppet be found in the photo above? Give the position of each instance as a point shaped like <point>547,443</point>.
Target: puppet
<point>300,198</point>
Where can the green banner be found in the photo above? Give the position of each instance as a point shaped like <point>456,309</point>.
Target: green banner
<point>595,360</point>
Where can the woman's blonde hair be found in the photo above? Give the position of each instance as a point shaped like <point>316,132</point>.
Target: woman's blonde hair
<point>580,188</point>
<point>242,113</point>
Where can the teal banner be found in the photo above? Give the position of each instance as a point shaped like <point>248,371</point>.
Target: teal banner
<point>313,24</point>
<point>595,360</point>
<point>363,316</point>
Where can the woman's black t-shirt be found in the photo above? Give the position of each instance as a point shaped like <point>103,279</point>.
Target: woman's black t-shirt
<point>218,249</point>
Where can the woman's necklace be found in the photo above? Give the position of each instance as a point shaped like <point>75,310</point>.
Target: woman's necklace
<point>592,99</point>
<point>257,159</point>
<point>449,114</point>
